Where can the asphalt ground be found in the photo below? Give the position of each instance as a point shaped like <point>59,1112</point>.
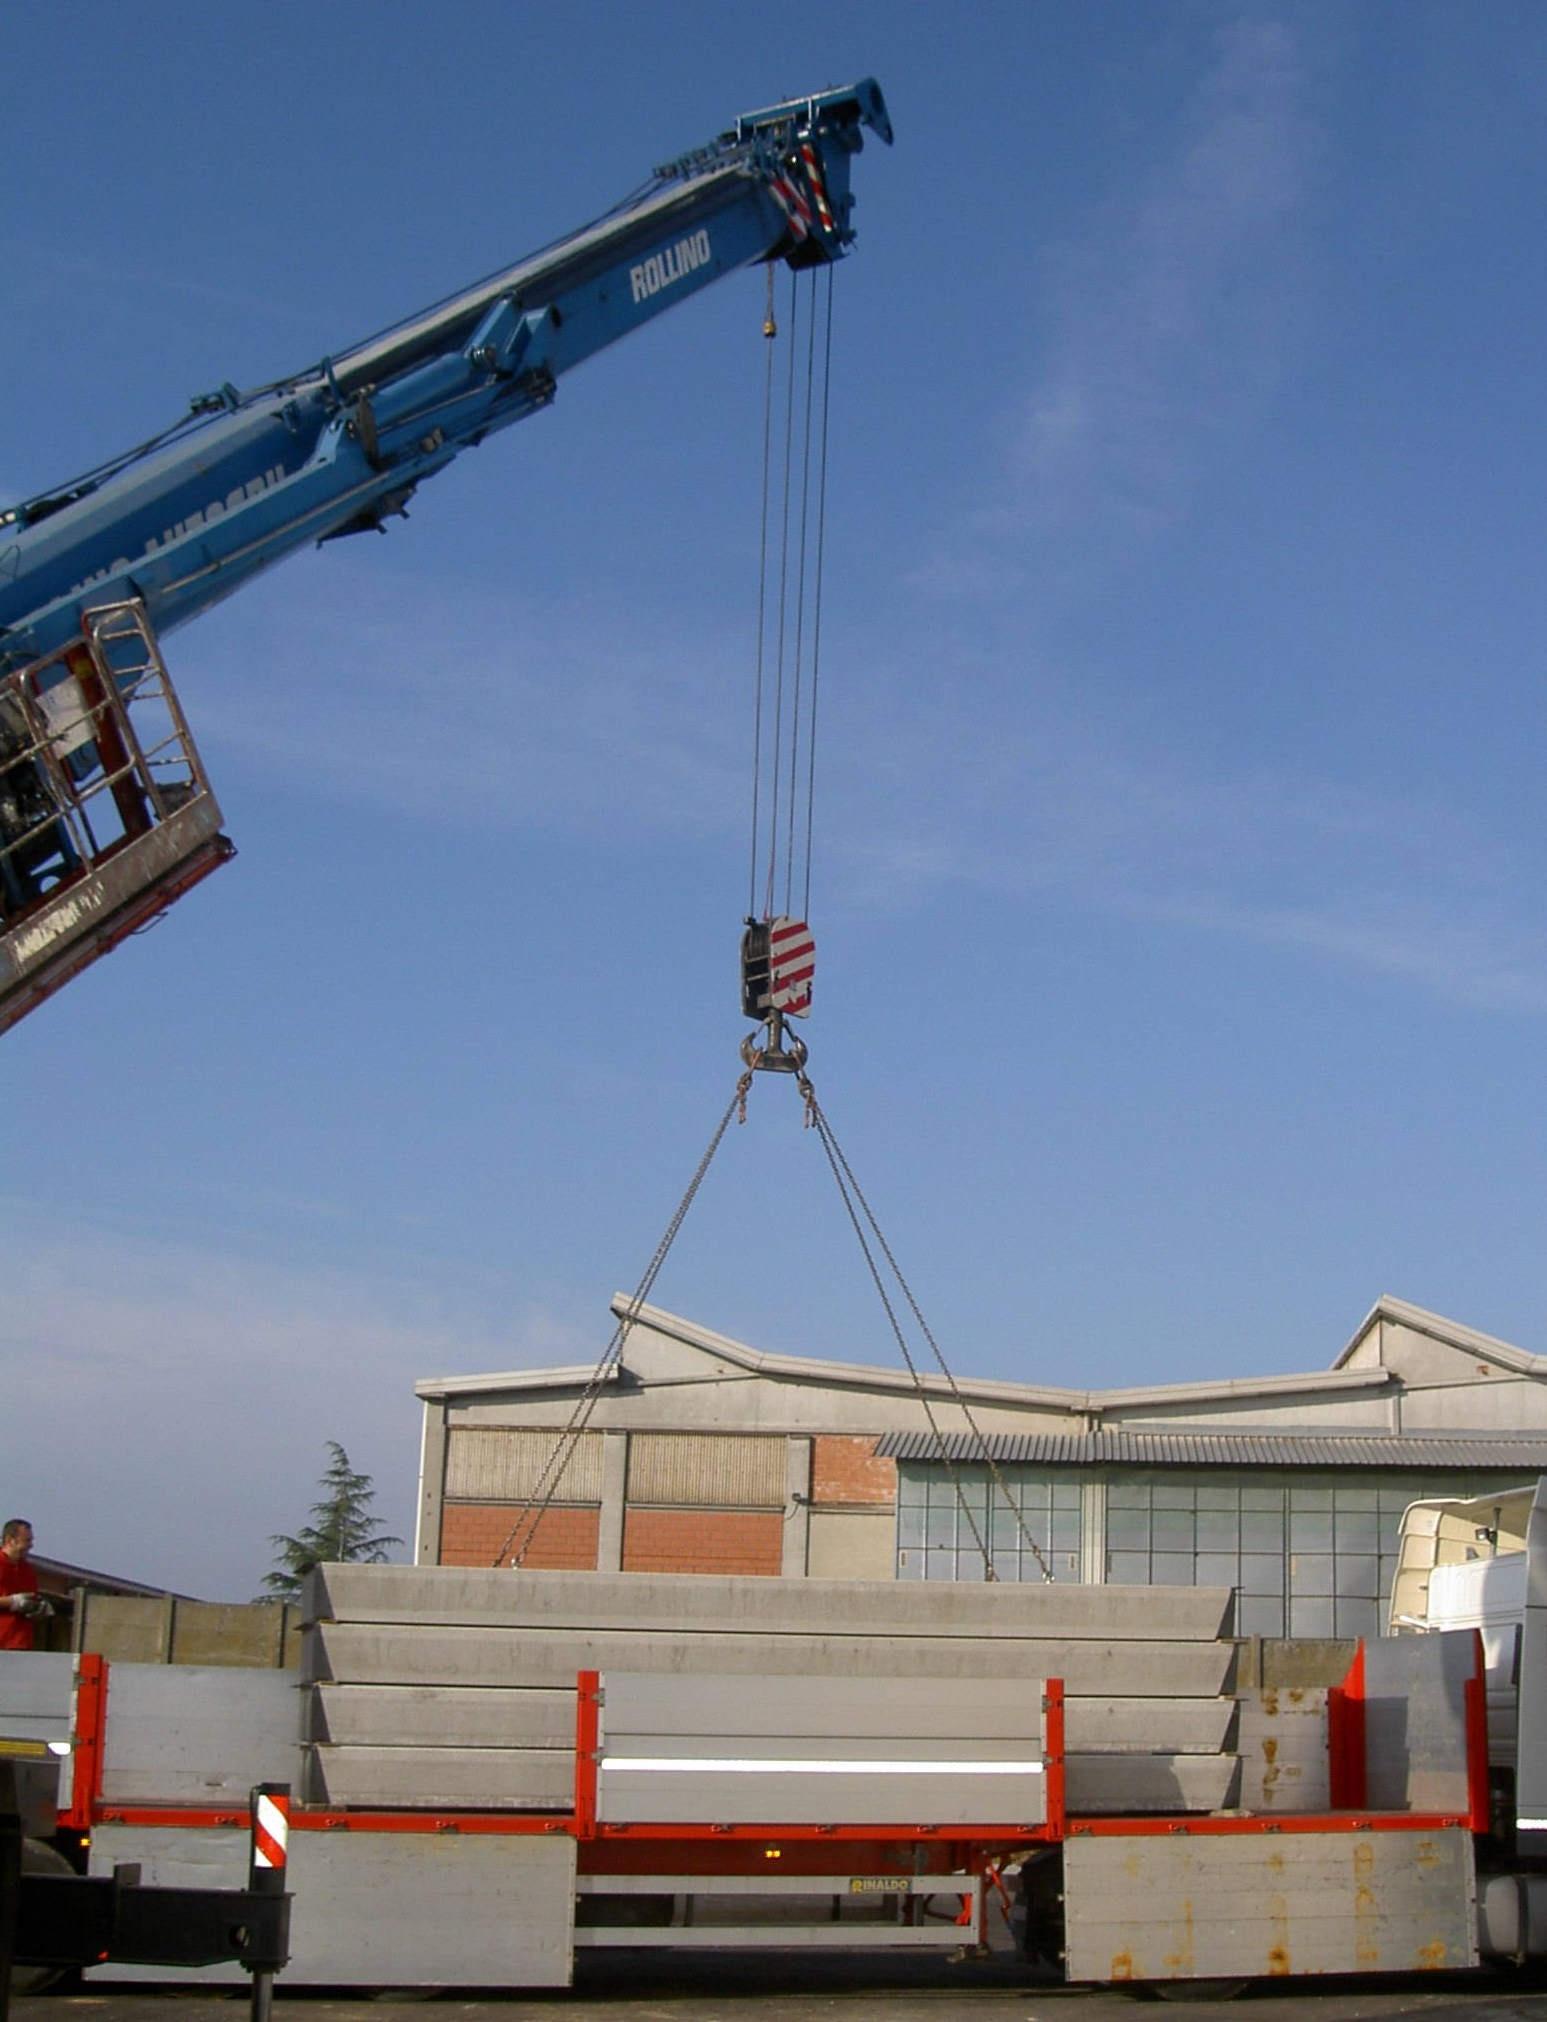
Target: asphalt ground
<point>641,1987</point>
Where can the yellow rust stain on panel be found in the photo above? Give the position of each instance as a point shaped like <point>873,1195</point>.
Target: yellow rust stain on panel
<point>1122,1966</point>
<point>1271,1771</point>
<point>1366,1905</point>
<point>1278,1924</point>
<point>1426,1856</point>
<point>1433,1957</point>
<point>1180,1962</point>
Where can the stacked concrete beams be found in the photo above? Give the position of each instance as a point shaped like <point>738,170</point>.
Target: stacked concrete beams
<point>448,1686</point>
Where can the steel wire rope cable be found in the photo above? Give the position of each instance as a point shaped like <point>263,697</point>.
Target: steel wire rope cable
<point>543,1494</point>
<point>835,1160</point>
<point>844,1174</point>
<point>816,614</point>
<point>800,609</point>
<point>770,333</point>
<point>783,613</point>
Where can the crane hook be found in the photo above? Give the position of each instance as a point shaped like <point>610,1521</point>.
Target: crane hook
<point>771,1057</point>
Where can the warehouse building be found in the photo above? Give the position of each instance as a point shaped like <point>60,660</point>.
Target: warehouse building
<point>700,1454</point>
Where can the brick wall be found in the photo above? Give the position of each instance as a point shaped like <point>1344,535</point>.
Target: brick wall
<point>472,1532</point>
<point>847,1470</point>
<point>703,1541</point>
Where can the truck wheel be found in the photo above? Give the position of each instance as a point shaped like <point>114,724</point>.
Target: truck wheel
<point>38,1859</point>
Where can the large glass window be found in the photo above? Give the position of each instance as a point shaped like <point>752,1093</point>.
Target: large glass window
<point>1308,1553</point>
<point>935,1528</point>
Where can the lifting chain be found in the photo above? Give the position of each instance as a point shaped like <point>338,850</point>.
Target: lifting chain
<point>773,1057</point>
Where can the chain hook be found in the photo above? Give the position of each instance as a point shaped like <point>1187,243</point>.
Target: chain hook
<point>772,1057</point>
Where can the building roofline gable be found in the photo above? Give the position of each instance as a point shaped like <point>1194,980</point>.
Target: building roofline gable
<point>816,1370</point>
<point>1450,1333</point>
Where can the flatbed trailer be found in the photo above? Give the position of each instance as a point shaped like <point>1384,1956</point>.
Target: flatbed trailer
<point>499,1770</point>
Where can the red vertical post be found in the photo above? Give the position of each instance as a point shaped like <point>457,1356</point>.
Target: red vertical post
<point>87,1745</point>
<point>1348,1781</point>
<point>588,1728</point>
<point>1478,1806</point>
<point>1053,1755</point>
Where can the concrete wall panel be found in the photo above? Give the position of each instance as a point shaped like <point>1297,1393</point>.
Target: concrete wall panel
<point>369,1654</point>
<point>1200,1908</point>
<point>852,1545</point>
<point>684,1603</point>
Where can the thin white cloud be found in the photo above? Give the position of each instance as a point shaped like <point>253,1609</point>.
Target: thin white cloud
<point>1171,316</point>
<point>482,712</point>
<point>1164,323</point>
<point>551,718</point>
<point>45,262</point>
<point>192,1390</point>
<point>1484,960</point>
<point>1039,804</point>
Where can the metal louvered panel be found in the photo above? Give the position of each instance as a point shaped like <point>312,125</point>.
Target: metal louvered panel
<point>1193,1449</point>
<point>497,1463</point>
<point>707,1470</point>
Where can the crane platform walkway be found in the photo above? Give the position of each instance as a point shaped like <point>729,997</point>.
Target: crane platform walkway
<point>106,812</point>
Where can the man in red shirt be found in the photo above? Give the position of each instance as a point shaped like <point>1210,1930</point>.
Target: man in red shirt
<point>19,1602</point>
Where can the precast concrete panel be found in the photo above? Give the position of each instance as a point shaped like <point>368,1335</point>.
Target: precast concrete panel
<point>378,1909</point>
<point>1282,1740</point>
<point>37,1690</point>
<point>1139,1782</point>
<point>1097,1726</point>
<point>460,1657</point>
<point>469,1596</point>
<point>1252,1906</point>
<point>173,1857</point>
<point>1415,1721</point>
<point>441,1716</point>
<point>717,1750</point>
<point>852,1544</point>
<point>1004,1710</point>
<point>464,1779</point>
<point>37,1698</point>
<point>364,1654</point>
<point>198,1735</point>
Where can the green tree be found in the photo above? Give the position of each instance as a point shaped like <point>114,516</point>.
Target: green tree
<point>340,1533</point>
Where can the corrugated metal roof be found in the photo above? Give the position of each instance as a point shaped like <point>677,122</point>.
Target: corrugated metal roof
<point>1229,1449</point>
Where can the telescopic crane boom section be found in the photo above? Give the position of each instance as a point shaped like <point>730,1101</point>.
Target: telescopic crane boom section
<point>164,531</point>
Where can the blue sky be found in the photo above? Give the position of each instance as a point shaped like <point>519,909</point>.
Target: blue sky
<point>1179,854</point>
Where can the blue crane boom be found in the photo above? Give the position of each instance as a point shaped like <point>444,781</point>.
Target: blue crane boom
<point>93,571</point>
<point>338,448</point>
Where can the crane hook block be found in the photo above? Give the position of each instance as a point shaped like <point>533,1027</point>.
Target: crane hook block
<point>778,957</point>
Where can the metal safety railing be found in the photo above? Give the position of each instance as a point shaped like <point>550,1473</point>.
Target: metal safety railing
<point>106,812</point>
